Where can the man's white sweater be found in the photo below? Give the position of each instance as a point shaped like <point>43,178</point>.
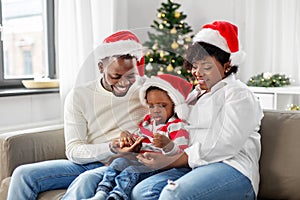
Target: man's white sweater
<point>93,117</point>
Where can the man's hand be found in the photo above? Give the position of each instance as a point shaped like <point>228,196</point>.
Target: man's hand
<point>126,139</point>
<point>134,148</point>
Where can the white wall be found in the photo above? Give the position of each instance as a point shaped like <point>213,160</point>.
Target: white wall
<point>28,111</point>
<point>141,13</point>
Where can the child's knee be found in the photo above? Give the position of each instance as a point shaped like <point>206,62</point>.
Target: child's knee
<point>120,164</point>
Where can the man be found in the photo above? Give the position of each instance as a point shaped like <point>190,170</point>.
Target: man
<point>95,113</point>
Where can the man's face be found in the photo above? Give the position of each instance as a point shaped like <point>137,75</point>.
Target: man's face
<point>118,75</point>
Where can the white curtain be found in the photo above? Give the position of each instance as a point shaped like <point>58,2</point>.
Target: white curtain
<point>272,32</point>
<point>81,26</point>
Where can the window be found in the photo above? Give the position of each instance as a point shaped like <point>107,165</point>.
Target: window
<point>27,59</point>
<point>27,41</point>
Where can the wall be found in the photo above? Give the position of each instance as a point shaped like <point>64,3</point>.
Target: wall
<point>29,111</point>
<point>141,13</point>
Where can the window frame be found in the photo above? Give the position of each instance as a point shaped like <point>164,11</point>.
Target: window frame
<point>17,83</point>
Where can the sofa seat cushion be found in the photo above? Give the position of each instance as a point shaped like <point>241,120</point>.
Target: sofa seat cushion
<point>48,195</point>
<point>280,158</point>
<point>4,188</point>
<point>51,195</point>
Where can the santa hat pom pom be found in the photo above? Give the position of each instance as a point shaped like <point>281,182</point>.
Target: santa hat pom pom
<point>237,58</point>
<point>182,111</point>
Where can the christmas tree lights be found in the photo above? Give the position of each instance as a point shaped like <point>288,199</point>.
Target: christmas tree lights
<point>168,43</point>
<point>267,79</point>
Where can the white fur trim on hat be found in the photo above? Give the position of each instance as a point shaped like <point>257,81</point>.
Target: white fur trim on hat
<point>237,58</point>
<point>213,37</point>
<point>182,111</point>
<point>121,47</point>
<point>181,108</point>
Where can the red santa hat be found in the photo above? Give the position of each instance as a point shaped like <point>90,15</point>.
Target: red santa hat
<point>224,35</point>
<point>122,43</point>
<point>176,87</point>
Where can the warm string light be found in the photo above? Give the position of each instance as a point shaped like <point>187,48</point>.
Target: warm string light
<point>268,79</point>
<point>177,14</point>
<point>293,107</point>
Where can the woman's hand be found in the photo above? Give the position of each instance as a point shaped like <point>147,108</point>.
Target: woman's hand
<point>160,161</point>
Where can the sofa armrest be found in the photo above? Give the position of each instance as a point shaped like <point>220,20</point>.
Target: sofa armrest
<point>29,146</point>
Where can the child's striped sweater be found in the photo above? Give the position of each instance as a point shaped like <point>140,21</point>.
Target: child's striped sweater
<point>173,129</point>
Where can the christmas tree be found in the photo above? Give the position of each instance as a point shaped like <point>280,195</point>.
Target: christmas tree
<point>168,43</point>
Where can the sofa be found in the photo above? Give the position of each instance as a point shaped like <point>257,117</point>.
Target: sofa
<point>279,163</point>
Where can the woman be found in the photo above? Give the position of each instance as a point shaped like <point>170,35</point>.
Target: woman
<point>224,122</point>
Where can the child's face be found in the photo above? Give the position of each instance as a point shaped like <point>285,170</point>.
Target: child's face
<point>160,105</point>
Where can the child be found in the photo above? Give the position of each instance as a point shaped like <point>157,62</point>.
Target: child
<point>162,131</point>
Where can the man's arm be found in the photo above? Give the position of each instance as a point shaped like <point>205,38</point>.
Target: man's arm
<point>75,131</point>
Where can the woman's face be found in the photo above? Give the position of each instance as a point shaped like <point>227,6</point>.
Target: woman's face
<point>118,75</point>
<point>208,72</point>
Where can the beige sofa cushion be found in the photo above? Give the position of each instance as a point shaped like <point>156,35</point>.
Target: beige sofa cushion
<point>28,146</point>
<point>48,195</point>
<point>280,159</point>
<point>51,195</point>
<point>4,188</point>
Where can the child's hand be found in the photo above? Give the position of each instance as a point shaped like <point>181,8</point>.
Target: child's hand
<point>163,142</point>
<point>126,139</point>
<point>160,140</point>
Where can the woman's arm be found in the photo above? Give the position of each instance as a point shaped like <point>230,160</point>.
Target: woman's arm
<point>160,161</point>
